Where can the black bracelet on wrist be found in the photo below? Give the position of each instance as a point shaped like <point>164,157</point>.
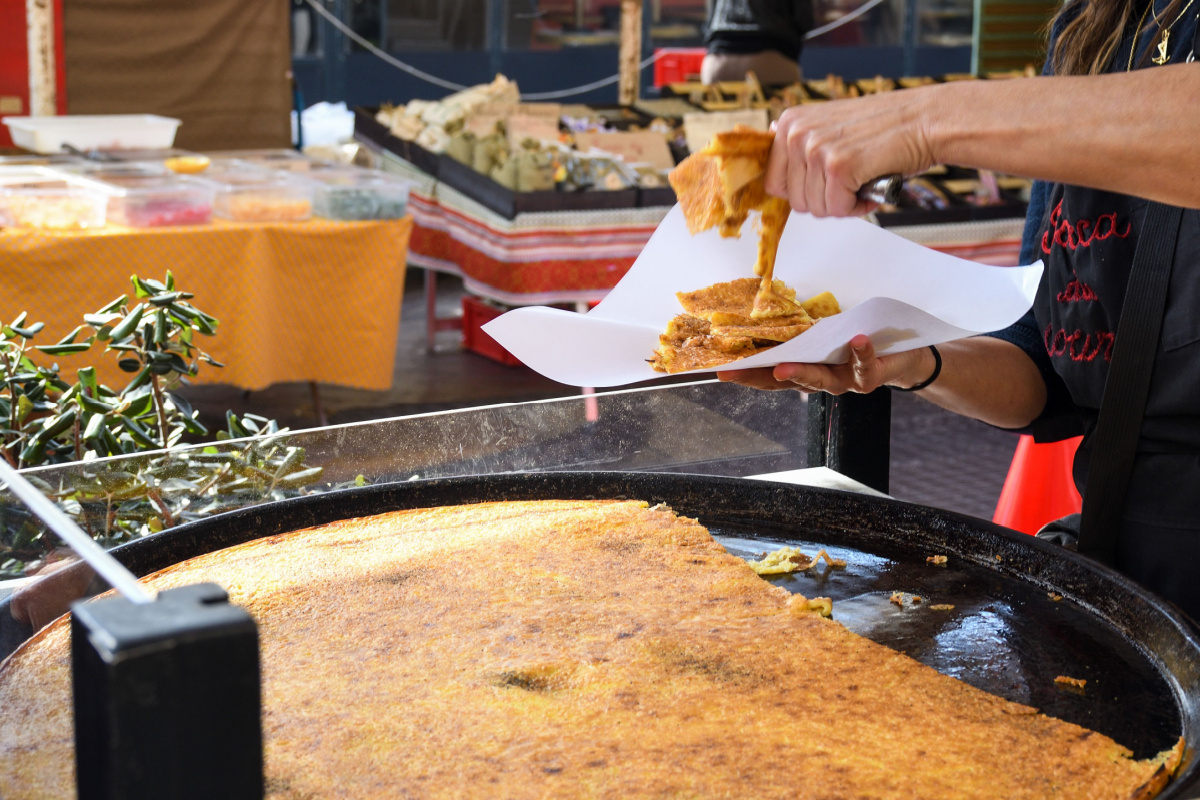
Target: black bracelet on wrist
<point>937,370</point>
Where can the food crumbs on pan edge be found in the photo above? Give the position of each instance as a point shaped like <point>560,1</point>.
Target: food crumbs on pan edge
<point>937,561</point>
<point>786,560</point>
<point>1075,684</point>
<point>1055,596</point>
<point>941,607</point>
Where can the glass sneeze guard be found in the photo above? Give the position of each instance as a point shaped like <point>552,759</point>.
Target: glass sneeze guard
<point>705,427</point>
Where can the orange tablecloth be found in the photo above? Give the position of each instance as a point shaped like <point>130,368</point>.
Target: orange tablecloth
<point>309,301</point>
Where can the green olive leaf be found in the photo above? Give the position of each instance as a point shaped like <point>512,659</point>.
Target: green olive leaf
<point>63,349</point>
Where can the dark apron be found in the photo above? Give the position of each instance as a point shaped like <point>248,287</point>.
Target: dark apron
<point>1088,240</point>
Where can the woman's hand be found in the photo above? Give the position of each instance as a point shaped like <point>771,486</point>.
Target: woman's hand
<point>864,372</point>
<point>1125,132</point>
<point>823,153</point>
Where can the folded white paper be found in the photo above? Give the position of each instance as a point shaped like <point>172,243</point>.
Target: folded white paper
<point>900,294</point>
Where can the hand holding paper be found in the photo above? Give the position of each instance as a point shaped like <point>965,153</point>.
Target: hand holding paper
<point>900,294</point>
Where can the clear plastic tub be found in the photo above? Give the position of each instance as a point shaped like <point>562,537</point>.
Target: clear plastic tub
<point>112,170</point>
<point>47,203</point>
<point>33,160</point>
<point>247,194</point>
<point>280,159</point>
<point>153,154</point>
<point>357,194</point>
<point>159,201</point>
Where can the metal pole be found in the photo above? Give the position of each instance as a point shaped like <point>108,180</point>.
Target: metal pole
<point>43,82</point>
<point>65,528</point>
<point>632,44</point>
<point>335,54</point>
<point>495,34</point>
<point>910,37</point>
<point>851,434</point>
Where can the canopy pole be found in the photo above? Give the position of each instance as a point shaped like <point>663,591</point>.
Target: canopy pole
<point>629,60</point>
<point>43,80</point>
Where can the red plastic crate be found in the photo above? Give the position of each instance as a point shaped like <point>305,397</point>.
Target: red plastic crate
<point>677,64</point>
<point>477,313</point>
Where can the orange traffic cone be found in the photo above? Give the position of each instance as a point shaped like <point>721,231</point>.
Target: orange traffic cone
<point>1039,487</point>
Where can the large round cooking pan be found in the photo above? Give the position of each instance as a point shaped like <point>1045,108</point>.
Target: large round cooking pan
<point>1008,633</point>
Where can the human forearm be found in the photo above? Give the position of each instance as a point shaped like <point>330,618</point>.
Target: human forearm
<point>1130,133</point>
<point>1133,133</point>
<point>985,378</point>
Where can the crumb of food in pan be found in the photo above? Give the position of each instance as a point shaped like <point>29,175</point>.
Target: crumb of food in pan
<point>799,604</point>
<point>941,607</point>
<point>937,561</point>
<point>897,598</point>
<point>1055,596</point>
<point>916,598</point>
<point>1073,684</point>
<point>790,559</point>
<point>998,558</point>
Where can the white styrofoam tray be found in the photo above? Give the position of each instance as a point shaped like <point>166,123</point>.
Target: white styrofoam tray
<point>93,132</point>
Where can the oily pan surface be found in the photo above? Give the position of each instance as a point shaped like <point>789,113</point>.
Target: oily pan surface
<point>572,648</point>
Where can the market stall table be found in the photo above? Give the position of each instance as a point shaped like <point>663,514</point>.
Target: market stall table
<point>315,301</point>
<point>576,257</point>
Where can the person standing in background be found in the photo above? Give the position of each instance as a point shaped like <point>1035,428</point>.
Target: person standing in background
<point>760,36</point>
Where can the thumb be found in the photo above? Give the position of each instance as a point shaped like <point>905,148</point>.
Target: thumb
<point>862,361</point>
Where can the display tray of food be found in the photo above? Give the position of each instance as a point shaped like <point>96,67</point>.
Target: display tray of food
<point>955,194</point>
<point>159,201</point>
<point>42,198</point>
<point>273,158</point>
<point>368,128</point>
<point>509,202</point>
<point>583,634</point>
<point>479,185</point>
<point>358,194</point>
<point>245,193</point>
<point>515,157</point>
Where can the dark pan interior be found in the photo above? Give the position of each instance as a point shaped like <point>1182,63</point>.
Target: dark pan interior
<point>1141,656</point>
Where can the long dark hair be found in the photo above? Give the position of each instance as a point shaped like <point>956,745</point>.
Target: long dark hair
<point>1090,39</point>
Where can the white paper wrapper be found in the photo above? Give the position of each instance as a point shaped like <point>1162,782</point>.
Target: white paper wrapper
<point>900,294</point>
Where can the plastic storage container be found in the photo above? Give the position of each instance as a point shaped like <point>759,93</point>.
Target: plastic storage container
<point>93,132</point>
<point>112,170</point>
<point>33,160</point>
<point>158,201</point>
<point>247,194</point>
<point>151,154</point>
<point>355,194</point>
<point>39,198</point>
<point>281,159</point>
